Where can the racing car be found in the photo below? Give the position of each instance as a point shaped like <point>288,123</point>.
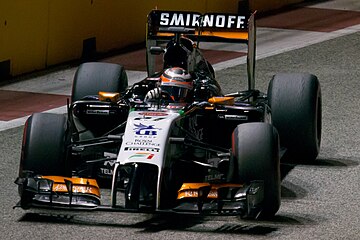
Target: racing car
<point>172,142</point>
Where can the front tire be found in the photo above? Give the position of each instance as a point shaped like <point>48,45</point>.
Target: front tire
<point>45,142</point>
<point>255,151</point>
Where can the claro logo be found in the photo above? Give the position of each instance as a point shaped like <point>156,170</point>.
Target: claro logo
<point>208,20</point>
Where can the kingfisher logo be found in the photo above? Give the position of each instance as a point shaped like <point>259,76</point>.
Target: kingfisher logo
<point>146,130</point>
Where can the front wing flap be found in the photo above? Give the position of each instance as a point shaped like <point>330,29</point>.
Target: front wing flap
<point>58,191</point>
<point>224,199</point>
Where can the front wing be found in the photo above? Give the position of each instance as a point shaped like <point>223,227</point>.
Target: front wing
<point>193,198</point>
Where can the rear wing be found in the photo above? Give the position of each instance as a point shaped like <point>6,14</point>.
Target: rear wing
<point>163,26</point>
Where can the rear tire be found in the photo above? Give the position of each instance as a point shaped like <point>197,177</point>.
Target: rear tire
<point>255,151</point>
<point>92,77</point>
<point>295,101</point>
<point>45,142</point>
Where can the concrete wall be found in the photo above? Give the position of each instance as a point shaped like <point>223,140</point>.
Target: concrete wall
<point>40,33</point>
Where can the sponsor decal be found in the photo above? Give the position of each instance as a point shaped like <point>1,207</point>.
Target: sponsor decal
<point>143,118</point>
<point>214,177</point>
<point>145,149</point>
<point>149,119</point>
<point>208,20</point>
<point>109,163</point>
<point>153,114</point>
<point>147,130</point>
<point>235,117</point>
<point>213,194</point>
<point>143,142</point>
<point>176,107</point>
<point>191,193</point>
<point>97,112</point>
<point>75,188</point>
<point>145,155</point>
<point>194,193</point>
<point>106,171</point>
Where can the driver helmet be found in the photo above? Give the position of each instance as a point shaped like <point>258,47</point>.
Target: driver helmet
<point>178,83</point>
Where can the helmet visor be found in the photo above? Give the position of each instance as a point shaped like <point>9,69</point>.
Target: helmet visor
<point>177,94</point>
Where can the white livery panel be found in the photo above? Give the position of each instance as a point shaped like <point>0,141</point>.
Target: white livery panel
<point>146,137</point>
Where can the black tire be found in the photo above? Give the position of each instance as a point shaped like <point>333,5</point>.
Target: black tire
<point>92,77</point>
<point>295,101</point>
<point>44,149</point>
<point>255,156</point>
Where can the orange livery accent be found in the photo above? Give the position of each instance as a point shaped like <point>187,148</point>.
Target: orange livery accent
<point>109,97</point>
<point>79,185</point>
<point>222,100</point>
<point>190,190</point>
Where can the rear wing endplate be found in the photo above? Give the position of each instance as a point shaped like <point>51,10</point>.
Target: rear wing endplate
<point>162,26</point>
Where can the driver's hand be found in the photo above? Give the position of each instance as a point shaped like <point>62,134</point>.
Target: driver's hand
<point>153,95</point>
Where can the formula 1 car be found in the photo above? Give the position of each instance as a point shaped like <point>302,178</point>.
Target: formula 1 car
<point>173,142</point>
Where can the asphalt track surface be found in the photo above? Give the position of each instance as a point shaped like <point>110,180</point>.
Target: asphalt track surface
<point>319,201</point>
